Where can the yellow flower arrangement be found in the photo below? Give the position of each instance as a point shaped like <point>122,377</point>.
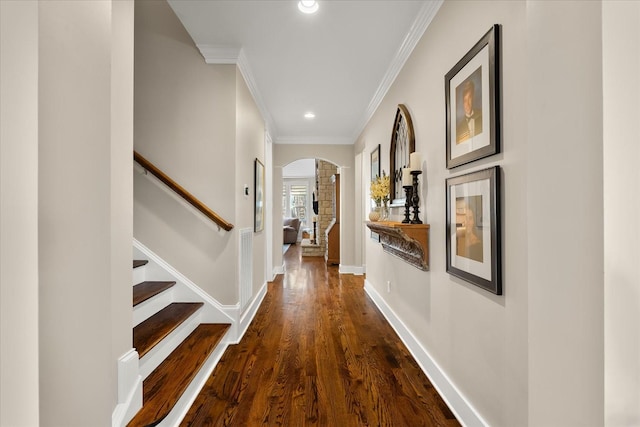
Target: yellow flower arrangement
<point>380,189</point>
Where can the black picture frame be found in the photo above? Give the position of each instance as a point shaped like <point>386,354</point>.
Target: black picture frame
<point>474,247</point>
<point>375,163</point>
<point>472,102</point>
<point>258,196</point>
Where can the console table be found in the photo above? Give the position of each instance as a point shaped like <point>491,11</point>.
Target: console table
<point>410,242</point>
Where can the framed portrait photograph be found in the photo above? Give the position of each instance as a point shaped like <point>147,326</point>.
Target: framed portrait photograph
<point>473,228</point>
<point>472,99</point>
<point>258,195</point>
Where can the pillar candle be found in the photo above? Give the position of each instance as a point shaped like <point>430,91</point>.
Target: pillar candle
<point>415,161</point>
<point>407,179</point>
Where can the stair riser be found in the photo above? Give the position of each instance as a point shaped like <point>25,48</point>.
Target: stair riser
<point>139,275</point>
<point>144,310</point>
<point>157,354</point>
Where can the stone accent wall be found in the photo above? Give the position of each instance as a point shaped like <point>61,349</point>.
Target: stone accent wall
<point>325,210</point>
<point>309,249</point>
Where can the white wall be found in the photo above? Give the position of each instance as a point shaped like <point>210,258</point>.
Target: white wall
<point>122,13</point>
<point>621,88</point>
<point>83,218</point>
<point>300,168</point>
<point>271,199</point>
<point>478,339</point>
<point>19,354</point>
<point>250,145</point>
<point>185,123</point>
<point>531,356</point>
<point>565,226</point>
<point>276,213</point>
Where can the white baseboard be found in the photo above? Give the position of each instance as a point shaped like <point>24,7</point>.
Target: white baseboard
<point>233,311</point>
<point>129,389</point>
<point>242,320</point>
<point>276,271</point>
<point>351,269</point>
<point>250,312</point>
<point>461,408</point>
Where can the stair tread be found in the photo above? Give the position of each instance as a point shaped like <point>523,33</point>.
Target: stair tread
<point>153,330</point>
<point>146,290</point>
<point>139,262</point>
<point>166,384</point>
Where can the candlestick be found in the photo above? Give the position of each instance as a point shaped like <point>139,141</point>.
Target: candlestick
<point>415,161</point>
<point>406,177</point>
<point>408,192</point>
<point>315,240</point>
<point>415,199</point>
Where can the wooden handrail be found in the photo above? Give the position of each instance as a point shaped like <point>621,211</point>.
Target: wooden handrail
<point>193,201</point>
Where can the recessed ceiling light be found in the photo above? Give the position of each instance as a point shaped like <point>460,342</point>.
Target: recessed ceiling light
<point>309,115</point>
<point>308,6</point>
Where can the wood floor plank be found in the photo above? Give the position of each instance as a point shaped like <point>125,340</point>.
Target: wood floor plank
<point>164,386</point>
<point>318,353</point>
<point>153,330</point>
<point>147,290</point>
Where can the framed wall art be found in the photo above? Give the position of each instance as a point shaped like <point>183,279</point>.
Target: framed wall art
<point>472,99</point>
<point>473,228</point>
<point>258,192</point>
<point>375,163</point>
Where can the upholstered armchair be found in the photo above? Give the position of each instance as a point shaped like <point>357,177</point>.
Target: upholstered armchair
<point>290,230</point>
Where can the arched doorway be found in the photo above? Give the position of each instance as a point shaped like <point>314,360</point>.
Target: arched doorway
<point>342,157</point>
<point>309,204</point>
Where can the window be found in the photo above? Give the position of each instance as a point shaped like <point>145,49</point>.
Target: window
<point>296,200</point>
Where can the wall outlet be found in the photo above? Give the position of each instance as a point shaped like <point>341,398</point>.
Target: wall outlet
<point>388,286</point>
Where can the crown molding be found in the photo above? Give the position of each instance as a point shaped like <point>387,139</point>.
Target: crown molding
<point>216,54</point>
<point>311,140</point>
<point>245,70</point>
<point>420,25</point>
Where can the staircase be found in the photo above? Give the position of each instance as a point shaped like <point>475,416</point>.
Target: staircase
<point>177,346</point>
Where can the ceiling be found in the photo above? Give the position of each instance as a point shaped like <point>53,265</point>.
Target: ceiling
<point>337,63</point>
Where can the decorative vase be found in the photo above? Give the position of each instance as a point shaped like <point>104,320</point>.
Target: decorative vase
<point>374,215</point>
<point>384,212</point>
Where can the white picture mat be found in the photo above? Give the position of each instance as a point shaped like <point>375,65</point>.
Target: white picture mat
<point>484,139</point>
<point>476,188</point>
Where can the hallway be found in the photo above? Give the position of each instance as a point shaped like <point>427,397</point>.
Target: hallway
<point>319,353</point>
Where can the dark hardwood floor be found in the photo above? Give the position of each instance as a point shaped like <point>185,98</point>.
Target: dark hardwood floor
<point>318,353</point>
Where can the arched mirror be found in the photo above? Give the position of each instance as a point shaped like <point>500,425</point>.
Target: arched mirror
<point>402,144</point>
